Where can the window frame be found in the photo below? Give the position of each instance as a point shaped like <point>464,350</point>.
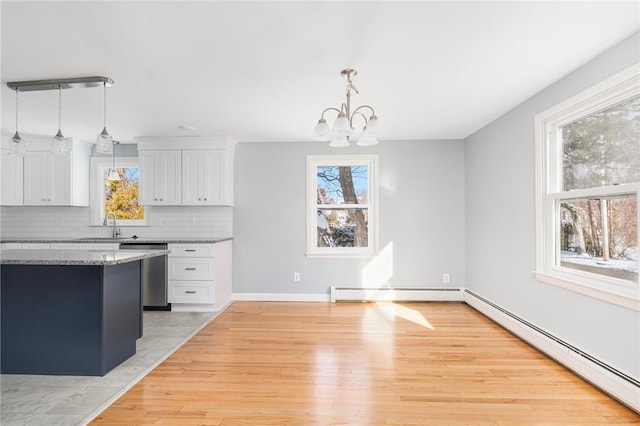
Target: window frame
<point>550,194</point>
<point>312,163</point>
<point>98,164</point>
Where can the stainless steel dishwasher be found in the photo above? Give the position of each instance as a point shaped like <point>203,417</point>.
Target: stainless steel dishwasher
<point>154,275</point>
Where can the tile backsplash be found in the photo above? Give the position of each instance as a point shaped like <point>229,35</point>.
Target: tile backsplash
<point>73,222</point>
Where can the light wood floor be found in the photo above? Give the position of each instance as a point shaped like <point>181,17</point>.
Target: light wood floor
<point>360,364</point>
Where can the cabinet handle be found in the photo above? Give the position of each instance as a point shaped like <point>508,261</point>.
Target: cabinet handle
<point>189,269</point>
<point>205,199</point>
<point>161,199</point>
<point>155,199</point>
<point>190,291</point>
<point>189,249</point>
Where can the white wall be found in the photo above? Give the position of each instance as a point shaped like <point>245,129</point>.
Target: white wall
<point>421,206</point>
<point>500,223</point>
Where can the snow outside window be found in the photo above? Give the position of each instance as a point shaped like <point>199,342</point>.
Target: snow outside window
<point>587,184</point>
<point>341,205</point>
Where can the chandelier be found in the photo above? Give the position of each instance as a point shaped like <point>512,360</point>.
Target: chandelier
<point>343,131</point>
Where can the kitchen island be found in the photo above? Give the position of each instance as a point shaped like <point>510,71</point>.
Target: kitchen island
<point>69,312</point>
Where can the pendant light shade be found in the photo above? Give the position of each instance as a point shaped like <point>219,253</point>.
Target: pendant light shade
<point>16,143</point>
<point>113,173</point>
<point>104,141</point>
<point>59,144</point>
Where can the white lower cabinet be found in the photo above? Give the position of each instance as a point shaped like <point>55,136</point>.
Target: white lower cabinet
<point>199,276</point>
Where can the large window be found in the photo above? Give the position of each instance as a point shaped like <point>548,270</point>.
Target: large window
<point>588,179</point>
<point>341,205</point>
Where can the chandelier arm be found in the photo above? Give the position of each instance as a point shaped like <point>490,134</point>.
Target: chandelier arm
<point>364,106</point>
<point>329,109</point>
<point>356,112</point>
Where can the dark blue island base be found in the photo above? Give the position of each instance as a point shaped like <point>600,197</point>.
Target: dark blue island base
<point>69,319</point>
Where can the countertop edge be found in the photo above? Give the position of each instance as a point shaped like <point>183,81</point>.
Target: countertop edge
<point>90,240</point>
<point>74,259</point>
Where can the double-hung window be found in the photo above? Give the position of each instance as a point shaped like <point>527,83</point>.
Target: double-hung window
<point>342,205</point>
<point>588,180</point>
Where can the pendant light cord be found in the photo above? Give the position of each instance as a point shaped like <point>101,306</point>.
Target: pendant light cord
<point>16,110</point>
<point>104,84</point>
<point>59,107</point>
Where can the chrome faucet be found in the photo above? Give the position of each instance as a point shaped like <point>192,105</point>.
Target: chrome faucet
<point>115,232</point>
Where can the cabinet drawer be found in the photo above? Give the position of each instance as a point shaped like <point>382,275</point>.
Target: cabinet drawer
<point>191,250</point>
<point>190,268</point>
<point>191,292</point>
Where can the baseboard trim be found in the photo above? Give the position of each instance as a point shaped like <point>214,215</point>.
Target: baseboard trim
<point>395,294</point>
<point>611,381</point>
<point>279,297</point>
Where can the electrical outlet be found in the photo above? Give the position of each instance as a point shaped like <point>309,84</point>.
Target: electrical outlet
<point>446,278</point>
<point>296,277</point>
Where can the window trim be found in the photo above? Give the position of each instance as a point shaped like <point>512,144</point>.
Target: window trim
<point>96,206</point>
<point>549,193</point>
<point>313,161</point>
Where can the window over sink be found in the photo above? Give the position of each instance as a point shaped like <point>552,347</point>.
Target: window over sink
<point>119,197</point>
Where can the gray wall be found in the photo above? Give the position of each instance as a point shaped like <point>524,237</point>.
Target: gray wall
<point>421,207</point>
<point>500,223</point>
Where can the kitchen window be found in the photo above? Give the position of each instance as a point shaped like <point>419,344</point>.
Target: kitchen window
<point>587,185</point>
<point>342,205</point>
<point>119,197</point>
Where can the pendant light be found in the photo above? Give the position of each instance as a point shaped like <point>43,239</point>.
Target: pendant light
<point>16,144</point>
<point>104,141</point>
<point>59,144</point>
<point>113,173</point>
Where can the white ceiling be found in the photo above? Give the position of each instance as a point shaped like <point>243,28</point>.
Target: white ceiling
<point>264,71</point>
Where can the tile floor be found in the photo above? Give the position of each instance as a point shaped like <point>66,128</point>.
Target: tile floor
<point>76,400</point>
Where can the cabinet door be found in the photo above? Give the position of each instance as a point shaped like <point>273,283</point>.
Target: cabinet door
<point>47,179</point>
<point>160,177</point>
<point>36,174</point>
<point>59,180</point>
<point>203,177</point>
<point>12,178</point>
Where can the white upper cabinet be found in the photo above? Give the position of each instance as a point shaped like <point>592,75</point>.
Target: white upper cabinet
<point>53,180</point>
<point>204,177</point>
<point>12,178</point>
<point>160,177</point>
<point>200,173</point>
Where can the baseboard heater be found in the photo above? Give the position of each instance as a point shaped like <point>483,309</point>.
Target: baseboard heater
<point>602,375</point>
<point>395,294</point>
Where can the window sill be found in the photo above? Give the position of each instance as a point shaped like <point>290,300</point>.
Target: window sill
<point>335,255</point>
<point>627,297</point>
<point>120,225</point>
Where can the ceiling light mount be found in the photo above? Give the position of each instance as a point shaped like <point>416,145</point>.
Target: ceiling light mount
<point>343,128</point>
<point>60,83</point>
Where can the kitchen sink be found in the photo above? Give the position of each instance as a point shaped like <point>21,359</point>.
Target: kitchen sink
<point>108,239</point>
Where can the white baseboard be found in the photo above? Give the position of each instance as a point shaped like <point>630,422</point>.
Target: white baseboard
<point>395,294</point>
<point>599,375</point>
<point>279,297</point>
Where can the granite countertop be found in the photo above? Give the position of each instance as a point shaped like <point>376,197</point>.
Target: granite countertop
<point>75,257</point>
<point>143,240</point>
